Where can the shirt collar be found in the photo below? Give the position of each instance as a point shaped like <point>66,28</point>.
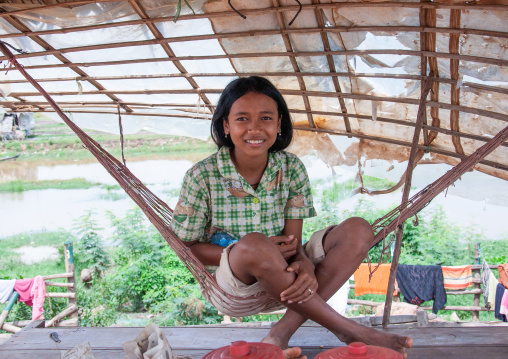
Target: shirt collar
<point>227,168</point>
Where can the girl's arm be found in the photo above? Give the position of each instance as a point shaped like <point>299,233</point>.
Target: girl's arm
<point>301,265</point>
<point>207,253</point>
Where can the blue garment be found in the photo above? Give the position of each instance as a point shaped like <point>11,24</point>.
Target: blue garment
<point>223,239</point>
<point>422,283</point>
<point>499,296</point>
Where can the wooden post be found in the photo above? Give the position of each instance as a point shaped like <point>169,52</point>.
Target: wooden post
<point>426,85</point>
<point>477,253</point>
<point>475,314</point>
<point>69,268</point>
<point>8,307</point>
<point>476,275</point>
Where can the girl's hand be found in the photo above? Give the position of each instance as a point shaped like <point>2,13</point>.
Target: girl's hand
<point>286,245</point>
<point>305,286</point>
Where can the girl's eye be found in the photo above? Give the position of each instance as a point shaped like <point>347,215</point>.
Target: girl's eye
<point>267,118</point>
<point>241,119</point>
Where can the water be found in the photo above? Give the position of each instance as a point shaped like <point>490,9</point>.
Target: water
<point>54,209</point>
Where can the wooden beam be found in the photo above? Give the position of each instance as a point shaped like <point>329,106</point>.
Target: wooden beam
<point>292,8</point>
<point>331,63</point>
<point>140,11</point>
<point>422,109</point>
<point>285,31</point>
<point>294,64</point>
<point>398,52</point>
<point>19,25</point>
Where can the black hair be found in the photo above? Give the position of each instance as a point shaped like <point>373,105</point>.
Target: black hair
<point>236,89</point>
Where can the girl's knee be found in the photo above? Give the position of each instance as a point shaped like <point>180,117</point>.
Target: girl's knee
<point>253,247</point>
<point>354,231</point>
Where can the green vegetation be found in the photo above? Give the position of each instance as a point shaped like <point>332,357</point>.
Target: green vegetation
<point>21,185</point>
<point>136,271</point>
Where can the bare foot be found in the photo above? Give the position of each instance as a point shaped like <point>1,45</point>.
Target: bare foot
<point>294,353</point>
<point>289,353</point>
<point>371,336</point>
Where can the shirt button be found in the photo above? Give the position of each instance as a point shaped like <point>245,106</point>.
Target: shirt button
<point>255,200</point>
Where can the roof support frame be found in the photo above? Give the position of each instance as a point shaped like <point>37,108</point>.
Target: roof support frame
<point>138,8</point>
<point>426,86</point>
<point>331,64</point>
<point>294,64</point>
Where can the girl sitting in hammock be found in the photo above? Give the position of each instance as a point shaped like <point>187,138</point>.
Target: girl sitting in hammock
<point>242,209</point>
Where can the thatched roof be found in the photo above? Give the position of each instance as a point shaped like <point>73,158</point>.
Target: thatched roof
<point>351,71</point>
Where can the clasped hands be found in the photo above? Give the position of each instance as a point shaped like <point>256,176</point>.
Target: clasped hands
<point>305,286</point>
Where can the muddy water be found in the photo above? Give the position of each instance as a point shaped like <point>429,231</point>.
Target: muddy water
<point>52,209</point>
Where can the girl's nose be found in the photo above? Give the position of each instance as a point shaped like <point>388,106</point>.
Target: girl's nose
<point>255,126</point>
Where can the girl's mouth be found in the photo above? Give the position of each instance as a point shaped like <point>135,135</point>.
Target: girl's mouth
<point>254,142</point>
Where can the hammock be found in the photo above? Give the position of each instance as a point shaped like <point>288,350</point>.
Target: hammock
<point>159,213</point>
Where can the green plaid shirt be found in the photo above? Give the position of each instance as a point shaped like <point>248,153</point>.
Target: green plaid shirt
<point>216,198</point>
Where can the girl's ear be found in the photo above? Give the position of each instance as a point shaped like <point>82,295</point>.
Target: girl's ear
<point>225,124</point>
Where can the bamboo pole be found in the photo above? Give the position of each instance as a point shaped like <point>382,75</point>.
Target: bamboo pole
<point>140,11</point>
<point>69,311</point>
<point>11,328</point>
<point>68,323</point>
<point>68,64</point>
<point>55,276</point>
<point>57,284</point>
<point>12,299</point>
<point>284,31</point>
<point>61,295</point>
<point>426,85</point>
<point>292,8</point>
<point>428,194</point>
<point>431,54</point>
<point>331,64</point>
<point>432,104</point>
<point>22,27</point>
<point>294,64</point>
<point>69,268</point>
<point>466,308</point>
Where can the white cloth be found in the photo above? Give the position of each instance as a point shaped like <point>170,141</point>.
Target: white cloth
<point>6,289</point>
<point>338,301</point>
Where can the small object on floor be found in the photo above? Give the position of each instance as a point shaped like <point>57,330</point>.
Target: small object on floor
<point>54,336</point>
<point>359,350</point>
<point>242,349</point>
<point>151,343</point>
<point>80,351</point>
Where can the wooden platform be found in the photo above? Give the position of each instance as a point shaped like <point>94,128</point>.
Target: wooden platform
<point>429,342</point>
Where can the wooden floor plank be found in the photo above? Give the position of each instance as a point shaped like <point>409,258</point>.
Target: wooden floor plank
<point>464,342</point>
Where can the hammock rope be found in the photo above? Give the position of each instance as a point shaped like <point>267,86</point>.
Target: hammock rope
<point>160,214</point>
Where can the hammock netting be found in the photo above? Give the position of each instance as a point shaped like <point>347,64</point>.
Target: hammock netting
<point>160,214</point>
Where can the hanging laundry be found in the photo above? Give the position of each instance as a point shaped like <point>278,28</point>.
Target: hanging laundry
<point>503,309</point>
<point>32,292</point>
<point>500,290</point>
<point>486,273</point>
<point>6,289</point>
<point>503,274</point>
<point>422,283</point>
<point>378,283</point>
<point>493,282</point>
<point>457,277</point>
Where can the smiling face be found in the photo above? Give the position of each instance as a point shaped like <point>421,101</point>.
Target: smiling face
<point>253,123</point>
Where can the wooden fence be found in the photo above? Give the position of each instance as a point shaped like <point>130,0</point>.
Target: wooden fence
<point>477,290</point>
<point>71,311</point>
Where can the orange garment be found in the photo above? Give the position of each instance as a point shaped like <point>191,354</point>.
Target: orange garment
<point>457,277</point>
<point>377,284</point>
